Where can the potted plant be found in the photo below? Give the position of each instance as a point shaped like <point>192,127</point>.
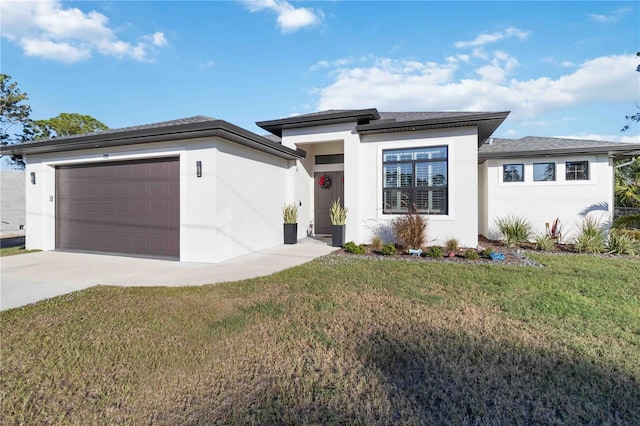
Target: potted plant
<point>338,216</point>
<point>290,217</point>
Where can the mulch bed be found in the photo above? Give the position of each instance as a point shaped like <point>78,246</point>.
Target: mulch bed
<point>513,256</point>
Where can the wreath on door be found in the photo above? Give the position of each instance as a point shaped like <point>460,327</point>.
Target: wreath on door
<point>324,182</point>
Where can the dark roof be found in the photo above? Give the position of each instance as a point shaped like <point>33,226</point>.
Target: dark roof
<point>186,128</point>
<point>322,118</point>
<point>370,121</point>
<point>532,146</point>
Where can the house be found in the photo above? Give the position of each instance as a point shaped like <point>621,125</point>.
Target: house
<point>204,190</point>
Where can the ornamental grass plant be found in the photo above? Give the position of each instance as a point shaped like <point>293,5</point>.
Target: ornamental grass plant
<point>290,213</point>
<point>409,229</point>
<point>591,236</point>
<point>514,229</point>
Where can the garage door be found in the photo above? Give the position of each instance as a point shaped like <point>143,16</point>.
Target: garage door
<point>130,207</point>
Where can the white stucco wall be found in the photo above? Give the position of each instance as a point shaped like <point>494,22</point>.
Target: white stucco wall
<point>543,202</point>
<point>363,178</point>
<point>215,220</point>
<point>483,169</point>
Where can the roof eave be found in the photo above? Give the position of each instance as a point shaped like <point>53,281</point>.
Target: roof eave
<point>486,123</point>
<point>626,150</point>
<point>276,126</point>
<point>212,128</point>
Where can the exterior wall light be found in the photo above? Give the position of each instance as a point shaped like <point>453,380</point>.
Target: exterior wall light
<point>33,178</point>
<point>199,168</point>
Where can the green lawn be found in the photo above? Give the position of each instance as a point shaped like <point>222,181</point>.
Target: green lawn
<point>12,251</point>
<point>339,340</point>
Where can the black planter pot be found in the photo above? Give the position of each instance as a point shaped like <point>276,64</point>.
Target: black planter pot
<point>290,233</point>
<point>337,235</point>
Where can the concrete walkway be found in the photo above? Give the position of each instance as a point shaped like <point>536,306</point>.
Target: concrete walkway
<point>32,277</point>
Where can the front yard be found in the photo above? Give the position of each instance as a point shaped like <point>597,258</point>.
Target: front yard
<point>339,340</point>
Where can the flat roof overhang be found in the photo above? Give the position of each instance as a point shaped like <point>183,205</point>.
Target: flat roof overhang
<point>309,120</point>
<point>203,129</point>
<point>486,124</point>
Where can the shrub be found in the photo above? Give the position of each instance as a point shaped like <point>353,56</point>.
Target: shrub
<point>376,243</point>
<point>631,221</point>
<point>486,252</point>
<point>451,245</point>
<point>515,229</point>
<point>545,242</point>
<point>471,254</point>
<point>290,213</point>
<point>337,213</point>
<point>389,250</point>
<point>632,233</point>
<point>591,237</point>
<point>410,229</point>
<point>435,252</point>
<point>351,247</point>
<point>622,243</point>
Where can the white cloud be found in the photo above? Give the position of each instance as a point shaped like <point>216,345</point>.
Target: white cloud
<point>399,85</point>
<point>49,30</point>
<point>207,65</point>
<point>318,65</point>
<point>483,39</point>
<point>289,18</point>
<point>612,17</point>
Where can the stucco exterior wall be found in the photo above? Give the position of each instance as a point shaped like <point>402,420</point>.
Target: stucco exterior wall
<point>363,178</point>
<point>483,170</point>
<point>543,202</point>
<point>215,223</point>
<point>12,202</point>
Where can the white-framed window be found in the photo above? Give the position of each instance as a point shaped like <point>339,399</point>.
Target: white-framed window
<point>544,172</point>
<point>415,176</point>
<point>513,173</point>
<point>577,170</point>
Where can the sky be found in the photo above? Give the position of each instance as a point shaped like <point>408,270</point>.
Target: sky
<point>563,69</point>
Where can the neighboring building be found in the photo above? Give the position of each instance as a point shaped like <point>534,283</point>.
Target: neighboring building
<point>12,202</point>
<point>201,189</point>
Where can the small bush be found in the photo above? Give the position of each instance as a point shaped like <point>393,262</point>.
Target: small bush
<point>389,250</point>
<point>352,248</point>
<point>435,252</point>
<point>376,243</point>
<point>631,233</point>
<point>545,243</point>
<point>515,230</point>
<point>486,252</point>
<point>622,243</point>
<point>471,254</point>
<point>409,230</point>
<point>591,237</point>
<point>631,221</point>
<point>451,245</point>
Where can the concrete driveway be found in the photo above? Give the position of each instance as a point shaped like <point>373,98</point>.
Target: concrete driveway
<point>29,278</point>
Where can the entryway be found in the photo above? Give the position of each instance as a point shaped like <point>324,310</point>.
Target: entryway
<point>325,192</point>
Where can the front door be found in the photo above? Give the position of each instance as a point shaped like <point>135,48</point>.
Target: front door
<point>324,196</point>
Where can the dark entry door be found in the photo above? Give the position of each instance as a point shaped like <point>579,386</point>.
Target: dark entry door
<point>129,207</point>
<point>324,197</point>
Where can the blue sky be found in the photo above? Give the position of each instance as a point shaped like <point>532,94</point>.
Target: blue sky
<point>564,69</point>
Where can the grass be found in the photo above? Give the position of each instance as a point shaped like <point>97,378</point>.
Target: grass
<point>338,340</point>
<point>12,251</point>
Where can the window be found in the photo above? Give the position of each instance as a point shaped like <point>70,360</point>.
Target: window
<point>577,170</point>
<point>415,176</point>
<point>544,172</point>
<point>513,173</point>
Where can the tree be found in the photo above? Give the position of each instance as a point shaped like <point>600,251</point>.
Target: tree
<point>14,113</point>
<point>627,189</point>
<point>66,124</point>
<point>634,118</point>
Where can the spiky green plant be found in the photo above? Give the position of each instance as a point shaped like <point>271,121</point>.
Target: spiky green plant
<point>622,243</point>
<point>514,229</point>
<point>545,242</point>
<point>591,236</point>
<point>290,213</point>
<point>337,213</point>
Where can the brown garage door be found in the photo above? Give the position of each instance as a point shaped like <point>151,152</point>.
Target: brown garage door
<point>130,207</point>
